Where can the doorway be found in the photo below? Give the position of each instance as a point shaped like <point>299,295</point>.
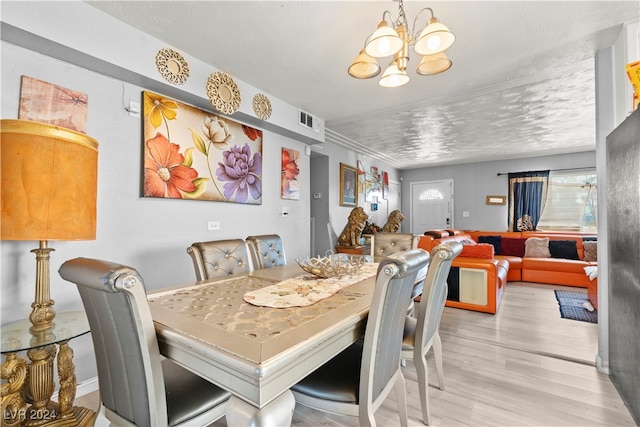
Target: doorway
<point>431,205</point>
<point>319,209</point>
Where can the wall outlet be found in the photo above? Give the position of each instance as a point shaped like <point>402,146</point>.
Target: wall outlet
<point>465,214</point>
<point>213,225</point>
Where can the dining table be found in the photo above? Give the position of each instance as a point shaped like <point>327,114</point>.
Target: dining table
<point>257,352</point>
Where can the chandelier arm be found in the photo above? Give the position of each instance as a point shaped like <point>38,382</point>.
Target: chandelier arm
<point>415,20</point>
<point>391,21</point>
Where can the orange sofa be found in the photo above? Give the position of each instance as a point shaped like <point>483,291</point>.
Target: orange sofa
<point>466,289</point>
<point>554,271</point>
<point>474,283</point>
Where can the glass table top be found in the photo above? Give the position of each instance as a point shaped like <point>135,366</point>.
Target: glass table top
<point>16,336</point>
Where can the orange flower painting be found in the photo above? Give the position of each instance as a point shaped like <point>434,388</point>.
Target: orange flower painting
<point>194,154</point>
<point>290,188</point>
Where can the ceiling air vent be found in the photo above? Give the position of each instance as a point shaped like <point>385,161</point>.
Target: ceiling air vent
<point>308,121</point>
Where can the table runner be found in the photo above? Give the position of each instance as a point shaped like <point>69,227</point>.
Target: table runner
<point>305,290</point>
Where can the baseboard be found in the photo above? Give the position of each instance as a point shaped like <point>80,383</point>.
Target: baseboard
<point>85,387</point>
<point>602,365</point>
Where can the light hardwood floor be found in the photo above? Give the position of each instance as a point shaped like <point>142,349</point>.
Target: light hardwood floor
<point>525,366</point>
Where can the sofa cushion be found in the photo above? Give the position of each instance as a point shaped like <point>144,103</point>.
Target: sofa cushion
<point>481,250</point>
<point>537,247</point>
<point>590,251</point>
<point>566,249</point>
<point>555,265</point>
<point>512,246</point>
<point>493,240</point>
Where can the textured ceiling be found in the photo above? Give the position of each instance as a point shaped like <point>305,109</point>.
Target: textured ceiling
<point>522,81</point>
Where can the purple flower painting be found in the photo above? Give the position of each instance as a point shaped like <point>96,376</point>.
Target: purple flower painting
<point>198,155</point>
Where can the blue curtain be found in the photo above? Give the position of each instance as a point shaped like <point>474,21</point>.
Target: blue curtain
<point>527,195</point>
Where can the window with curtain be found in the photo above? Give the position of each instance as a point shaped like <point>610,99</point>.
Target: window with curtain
<point>571,202</point>
<point>527,194</point>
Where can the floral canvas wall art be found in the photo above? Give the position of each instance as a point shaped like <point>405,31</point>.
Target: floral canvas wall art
<point>290,188</point>
<point>191,153</point>
<point>52,104</point>
<point>372,184</point>
<point>385,185</point>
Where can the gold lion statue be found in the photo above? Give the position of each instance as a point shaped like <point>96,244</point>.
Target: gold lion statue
<point>352,232</point>
<point>393,222</point>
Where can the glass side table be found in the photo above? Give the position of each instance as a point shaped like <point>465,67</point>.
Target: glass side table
<point>26,394</point>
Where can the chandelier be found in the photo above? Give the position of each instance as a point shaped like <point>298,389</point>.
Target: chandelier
<point>392,38</point>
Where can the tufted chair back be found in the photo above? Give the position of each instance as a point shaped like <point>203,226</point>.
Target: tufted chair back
<point>220,258</point>
<point>385,244</point>
<point>266,251</point>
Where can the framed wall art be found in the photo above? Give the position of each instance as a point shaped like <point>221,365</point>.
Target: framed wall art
<point>385,185</point>
<point>191,153</point>
<point>348,183</point>
<point>290,187</point>
<point>496,200</point>
<point>45,102</point>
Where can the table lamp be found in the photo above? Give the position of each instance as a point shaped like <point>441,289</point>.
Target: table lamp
<point>49,182</point>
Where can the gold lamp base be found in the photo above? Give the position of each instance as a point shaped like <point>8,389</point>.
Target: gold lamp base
<point>42,312</point>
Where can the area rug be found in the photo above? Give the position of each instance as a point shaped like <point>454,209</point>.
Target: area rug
<point>572,306</point>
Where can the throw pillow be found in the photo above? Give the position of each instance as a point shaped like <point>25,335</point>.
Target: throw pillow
<point>566,249</point>
<point>494,240</point>
<point>452,231</point>
<point>481,250</point>
<point>468,242</point>
<point>537,247</point>
<point>512,246</point>
<point>590,251</point>
<point>436,233</point>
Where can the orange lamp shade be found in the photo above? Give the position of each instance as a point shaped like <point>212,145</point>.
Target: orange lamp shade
<point>49,182</point>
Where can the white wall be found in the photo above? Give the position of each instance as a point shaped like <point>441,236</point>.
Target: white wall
<point>149,234</point>
<point>473,182</point>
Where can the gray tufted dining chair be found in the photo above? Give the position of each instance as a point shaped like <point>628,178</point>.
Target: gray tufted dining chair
<point>220,258</point>
<point>266,251</point>
<point>359,379</point>
<point>137,388</point>
<point>384,244</point>
<point>421,333</point>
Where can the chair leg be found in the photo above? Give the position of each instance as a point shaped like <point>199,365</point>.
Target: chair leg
<point>422,371</point>
<point>401,397</point>
<point>437,353</point>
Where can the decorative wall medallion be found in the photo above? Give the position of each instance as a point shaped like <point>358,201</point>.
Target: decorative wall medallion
<point>223,93</point>
<point>172,66</point>
<point>262,106</point>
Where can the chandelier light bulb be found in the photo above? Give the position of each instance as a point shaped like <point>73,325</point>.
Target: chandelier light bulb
<point>394,77</point>
<point>435,38</point>
<point>383,42</point>
<point>433,64</point>
<point>434,42</point>
<point>384,47</point>
<point>364,66</point>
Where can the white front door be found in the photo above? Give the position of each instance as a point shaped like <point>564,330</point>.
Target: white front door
<point>431,205</point>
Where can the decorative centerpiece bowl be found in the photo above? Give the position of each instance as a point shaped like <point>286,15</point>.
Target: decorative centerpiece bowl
<point>332,265</point>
